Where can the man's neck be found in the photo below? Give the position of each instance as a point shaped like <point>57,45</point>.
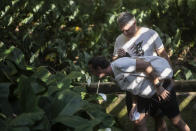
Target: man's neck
<point>136,32</point>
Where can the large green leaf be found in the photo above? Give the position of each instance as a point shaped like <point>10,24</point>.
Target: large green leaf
<point>4,90</point>
<point>76,122</point>
<point>98,113</point>
<point>42,73</point>
<point>4,52</point>
<point>26,95</point>
<point>19,129</point>
<point>3,125</point>
<point>74,75</point>
<point>5,107</point>
<point>65,103</point>
<point>36,86</point>
<point>58,81</point>
<point>9,69</point>
<point>73,103</point>
<point>43,125</point>
<point>14,54</point>
<point>26,119</point>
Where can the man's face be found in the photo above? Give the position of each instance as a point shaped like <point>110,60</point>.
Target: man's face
<point>129,29</point>
<point>99,72</point>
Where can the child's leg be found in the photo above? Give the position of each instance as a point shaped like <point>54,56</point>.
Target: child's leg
<point>140,124</point>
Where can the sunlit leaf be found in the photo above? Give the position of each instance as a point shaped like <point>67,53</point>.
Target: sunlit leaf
<point>66,103</point>
<point>74,75</point>
<point>188,75</point>
<point>42,73</point>
<point>59,80</point>
<point>15,55</point>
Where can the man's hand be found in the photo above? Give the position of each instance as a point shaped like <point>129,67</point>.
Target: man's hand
<point>162,93</point>
<point>121,52</point>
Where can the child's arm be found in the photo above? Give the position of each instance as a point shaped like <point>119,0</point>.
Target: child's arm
<point>134,107</point>
<point>143,66</point>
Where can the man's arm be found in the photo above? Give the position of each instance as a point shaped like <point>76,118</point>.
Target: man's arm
<point>161,52</point>
<point>114,58</point>
<point>146,67</point>
<point>134,106</point>
<point>121,53</point>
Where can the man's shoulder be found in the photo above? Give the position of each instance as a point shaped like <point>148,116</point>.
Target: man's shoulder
<point>146,29</point>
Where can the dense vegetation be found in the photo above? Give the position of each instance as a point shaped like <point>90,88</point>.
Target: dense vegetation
<point>45,46</point>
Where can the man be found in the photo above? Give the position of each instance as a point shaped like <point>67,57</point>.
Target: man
<point>145,79</point>
<point>138,41</point>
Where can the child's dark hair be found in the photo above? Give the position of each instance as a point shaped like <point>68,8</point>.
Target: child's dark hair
<point>98,61</point>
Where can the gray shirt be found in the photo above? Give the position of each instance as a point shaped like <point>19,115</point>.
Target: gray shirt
<point>144,43</point>
<point>128,79</point>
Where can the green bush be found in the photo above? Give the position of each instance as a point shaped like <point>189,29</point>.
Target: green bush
<point>45,46</point>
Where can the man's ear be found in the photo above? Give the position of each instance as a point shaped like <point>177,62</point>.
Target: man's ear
<point>99,68</point>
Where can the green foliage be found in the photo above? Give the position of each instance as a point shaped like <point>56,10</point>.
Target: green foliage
<point>45,47</point>
<point>36,99</point>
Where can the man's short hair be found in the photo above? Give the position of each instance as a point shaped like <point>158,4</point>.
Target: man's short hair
<point>98,61</point>
<point>124,18</point>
